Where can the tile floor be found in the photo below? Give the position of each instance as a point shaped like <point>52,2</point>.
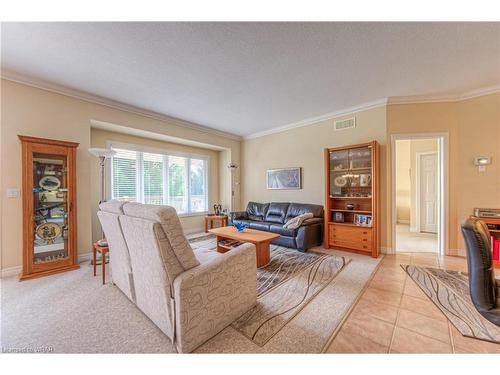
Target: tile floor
<point>415,242</point>
<point>394,316</point>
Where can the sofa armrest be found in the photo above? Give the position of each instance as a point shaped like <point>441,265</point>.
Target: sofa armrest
<point>309,235</point>
<point>311,221</point>
<point>235,215</point>
<point>211,296</point>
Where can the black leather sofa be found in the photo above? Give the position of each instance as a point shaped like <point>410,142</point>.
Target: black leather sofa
<point>271,217</point>
<point>484,288</point>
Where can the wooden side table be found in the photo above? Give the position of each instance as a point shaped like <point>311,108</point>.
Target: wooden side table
<point>103,250</point>
<point>210,220</point>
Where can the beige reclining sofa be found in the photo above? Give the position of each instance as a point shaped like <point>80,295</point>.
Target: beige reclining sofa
<point>190,295</point>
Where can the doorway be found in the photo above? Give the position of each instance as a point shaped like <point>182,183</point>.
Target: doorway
<point>419,170</point>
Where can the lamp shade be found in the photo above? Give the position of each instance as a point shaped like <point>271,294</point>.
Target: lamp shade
<point>102,152</point>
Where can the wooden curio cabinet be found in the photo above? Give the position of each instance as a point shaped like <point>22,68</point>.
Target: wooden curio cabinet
<point>351,199</point>
<point>49,207</point>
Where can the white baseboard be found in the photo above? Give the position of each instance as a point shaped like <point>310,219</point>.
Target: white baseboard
<point>386,250</point>
<point>457,252</point>
<point>84,257</point>
<point>13,271</point>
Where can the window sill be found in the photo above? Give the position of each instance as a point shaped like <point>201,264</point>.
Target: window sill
<point>193,214</point>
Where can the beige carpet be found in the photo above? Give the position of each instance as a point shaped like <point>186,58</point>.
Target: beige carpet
<point>74,313</point>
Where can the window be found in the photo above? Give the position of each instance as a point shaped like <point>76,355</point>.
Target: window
<point>153,178</point>
<point>124,166</point>
<point>160,178</point>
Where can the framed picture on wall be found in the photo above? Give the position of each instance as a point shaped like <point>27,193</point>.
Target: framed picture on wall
<point>284,178</point>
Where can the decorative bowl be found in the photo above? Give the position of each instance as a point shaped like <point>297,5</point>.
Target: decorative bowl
<point>240,227</point>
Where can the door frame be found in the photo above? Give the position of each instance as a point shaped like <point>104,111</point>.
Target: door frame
<point>443,183</point>
<point>418,173</point>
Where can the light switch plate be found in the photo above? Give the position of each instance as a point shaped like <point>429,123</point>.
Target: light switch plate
<point>13,193</point>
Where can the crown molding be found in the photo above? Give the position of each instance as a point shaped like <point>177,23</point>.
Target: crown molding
<point>480,92</point>
<point>81,95</point>
<point>421,99</point>
<point>77,94</point>
<point>444,98</point>
<point>314,120</point>
<point>378,103</point>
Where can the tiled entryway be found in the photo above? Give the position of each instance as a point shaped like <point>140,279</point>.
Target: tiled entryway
<point>394,316</point>
<point>415,242</point>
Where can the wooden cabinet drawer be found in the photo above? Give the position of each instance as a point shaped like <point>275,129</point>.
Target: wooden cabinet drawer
<point>363,246</point>
<point>359,238</point>
<point>350,233</point>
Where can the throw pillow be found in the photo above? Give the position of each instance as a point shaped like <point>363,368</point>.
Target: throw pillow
<point>297,221</point>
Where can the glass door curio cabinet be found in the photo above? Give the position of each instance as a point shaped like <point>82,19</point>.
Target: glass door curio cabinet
<point>49,207</point>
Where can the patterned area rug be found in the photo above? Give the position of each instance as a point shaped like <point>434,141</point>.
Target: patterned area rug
<point>449,290</point>
<point>284,287</point>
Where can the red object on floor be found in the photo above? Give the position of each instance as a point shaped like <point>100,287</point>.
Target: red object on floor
<point>496,249</point>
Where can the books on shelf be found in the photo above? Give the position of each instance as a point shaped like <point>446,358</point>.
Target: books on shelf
<point>363,220</point>
<point>495,248</point>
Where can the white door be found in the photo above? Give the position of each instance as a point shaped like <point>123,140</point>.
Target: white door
<point>428,193</point>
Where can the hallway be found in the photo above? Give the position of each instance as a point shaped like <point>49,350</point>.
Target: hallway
<point>413,242</point>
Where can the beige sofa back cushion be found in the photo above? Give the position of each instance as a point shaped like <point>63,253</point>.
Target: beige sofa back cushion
<point>167,217</point>
<point>113,206</point>
<point>154,267</point>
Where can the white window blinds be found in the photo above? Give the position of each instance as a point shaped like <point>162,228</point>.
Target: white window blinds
<point>153,178</point>
<point>124,165</point>
<point>160,178</point>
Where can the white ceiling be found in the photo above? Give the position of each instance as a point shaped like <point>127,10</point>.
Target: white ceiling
<point>244,78</point>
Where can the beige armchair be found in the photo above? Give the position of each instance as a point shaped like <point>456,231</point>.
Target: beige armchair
<point>190,296</point>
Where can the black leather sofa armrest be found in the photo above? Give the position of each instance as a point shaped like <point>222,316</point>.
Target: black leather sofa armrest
<point>238,215</point>
<point>309,234</point>
<point>311,221</point>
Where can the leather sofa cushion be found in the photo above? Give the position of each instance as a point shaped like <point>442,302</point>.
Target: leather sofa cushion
<point>276,212</point>
<point>257,211</point>
<point>296,209</point>
<point>278,228</point>
<point>246,221</point>
<point>260,225</point>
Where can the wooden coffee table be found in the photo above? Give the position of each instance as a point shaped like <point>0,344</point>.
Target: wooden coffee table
<point>259,238</point>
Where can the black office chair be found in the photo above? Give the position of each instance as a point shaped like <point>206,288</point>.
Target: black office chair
<point>484,288</point>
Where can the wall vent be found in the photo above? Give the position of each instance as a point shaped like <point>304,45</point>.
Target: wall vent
<point>347,123</point>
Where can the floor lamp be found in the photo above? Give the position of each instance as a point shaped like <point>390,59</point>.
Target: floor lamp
<point>102,154</point>
<point>232,167</point>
